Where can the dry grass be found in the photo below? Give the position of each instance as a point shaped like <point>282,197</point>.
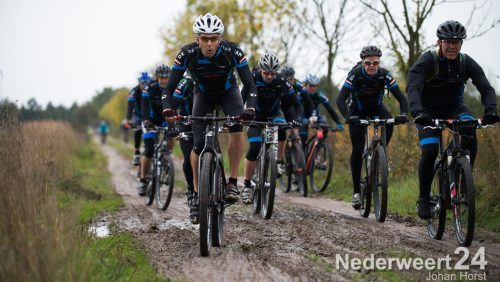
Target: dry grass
<point>36,238</point>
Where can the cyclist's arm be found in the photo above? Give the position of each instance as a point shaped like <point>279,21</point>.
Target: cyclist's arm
<point>476,73</point>
<point>246,77</point>
<point>393,86</point>
<point>342,101</point>
<point>130,104</point>
<point>307,103</point>
<point>290,95</point>
<point>417,74</point>
<point>145,103</point>
<point>329,108</point>
<point>178,69</point>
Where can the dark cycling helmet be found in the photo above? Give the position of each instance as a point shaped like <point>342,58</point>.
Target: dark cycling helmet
<point>144,77</point>
<point>288,72</point>
<point>370,51</point>
<point>162,71</point>
<point>269,63</point>
<point>451,30</point>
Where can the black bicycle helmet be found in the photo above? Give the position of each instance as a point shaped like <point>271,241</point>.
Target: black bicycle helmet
<point>162,71</point>
<point>288,72</point>
<point>370,51</point>
<point>451,30</point>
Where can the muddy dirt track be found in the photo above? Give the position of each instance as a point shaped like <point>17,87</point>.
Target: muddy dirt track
<point>299,243</point>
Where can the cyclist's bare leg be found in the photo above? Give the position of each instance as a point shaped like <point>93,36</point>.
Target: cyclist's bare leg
<point>235,151</point>
<point>281,149</point>
<point>170,144</point>
<point>249,169</point>
<point>145,165</point>
<point>194,164</point>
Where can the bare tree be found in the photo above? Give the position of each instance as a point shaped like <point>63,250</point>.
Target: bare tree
<point>329,22</point>
<point>405,35</point>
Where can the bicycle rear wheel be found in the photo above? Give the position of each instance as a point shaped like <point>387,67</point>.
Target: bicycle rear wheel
<point>218,208</point>
<point>268,183</point>
<point>204,190</point>
<point>379,183</point>
<point>435,225</point>
<point>164,183</point>
<point>321,168</point>
<point>463,204</point>
<point>365,192</point>
<point>287,185</point>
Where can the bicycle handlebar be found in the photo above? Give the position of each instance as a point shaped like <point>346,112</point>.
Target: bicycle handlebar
<point>268,123</point>
<point>378,121</point>
<point>442,123</point>
<point>318,125</point>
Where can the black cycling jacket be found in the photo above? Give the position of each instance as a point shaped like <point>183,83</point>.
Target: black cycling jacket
<point>445,90</point>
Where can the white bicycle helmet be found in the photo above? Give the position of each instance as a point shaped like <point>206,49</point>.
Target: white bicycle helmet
<point>210,24</point>
<point>312,79</point>
<point>269,63</point>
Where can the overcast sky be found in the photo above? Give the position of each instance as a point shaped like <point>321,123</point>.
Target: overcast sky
<point>67,50</point>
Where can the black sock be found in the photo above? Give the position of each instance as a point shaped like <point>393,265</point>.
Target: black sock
<point>143,180</point>
<point>233,180</point>
<point>248,183</point>
<point>137,152</point>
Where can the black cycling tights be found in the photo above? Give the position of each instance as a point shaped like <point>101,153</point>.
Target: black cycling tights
<point>430,151</point>
<point>186,147</point>
<point>357,134</point>
<point>137,139</point>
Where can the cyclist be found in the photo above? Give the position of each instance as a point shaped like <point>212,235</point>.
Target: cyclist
<point>134,113</point>
<point>364,89</point>
<point>303,99</point>
<point>183,100</point>
<point>272,88</point>
<point>318,98</point>
<point>152,115</point>
<point>436,90</point>
<point>103,130</point>
<point>211,62</point>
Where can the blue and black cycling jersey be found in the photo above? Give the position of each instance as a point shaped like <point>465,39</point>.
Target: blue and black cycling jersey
<point>318,98</point>
<point>271,95</point>
<point>367,92</point>
<point>134,103</point>
<point>151,103</point>
<point>183,96</point>
<point>213,76</point>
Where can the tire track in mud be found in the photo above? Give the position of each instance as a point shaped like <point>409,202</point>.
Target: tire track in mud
<point>299,243</point>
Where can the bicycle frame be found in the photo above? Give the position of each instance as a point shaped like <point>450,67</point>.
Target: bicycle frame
<point>313,142</point>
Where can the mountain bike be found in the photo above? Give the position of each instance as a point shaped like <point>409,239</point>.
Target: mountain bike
<point>266,170</point>
<point>375,169</point>
<point>296,170</point>
<point>162,173</point>
<point>319,160</point>
<point>453,185</point>
<point>211,182</point>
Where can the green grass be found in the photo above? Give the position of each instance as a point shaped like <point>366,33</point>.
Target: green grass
<point>123,149</point>
<point>117,257</point>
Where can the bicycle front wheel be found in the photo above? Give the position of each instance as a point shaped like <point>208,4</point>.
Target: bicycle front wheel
<point>365,187</point>
<point>463,203</point>
<point>321,168</point>
<point>379,184</point>
<point>204,191</point>
<point>164,183</point>
<point>218,208</point>
<point>150,189</point>
<point>435,225</point>
<point>268,183</point>
<point>256,196</point>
